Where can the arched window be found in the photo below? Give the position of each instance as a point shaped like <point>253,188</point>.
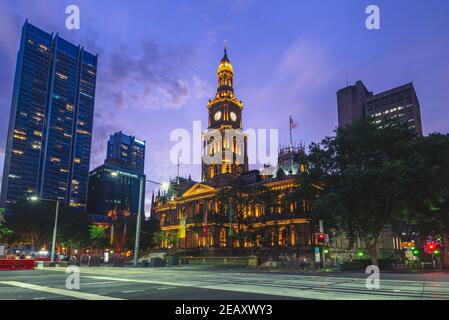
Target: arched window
<point>283,236</point>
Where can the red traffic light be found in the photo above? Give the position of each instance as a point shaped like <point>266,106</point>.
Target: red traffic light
<point>431,247</point>
<point>321,237</point>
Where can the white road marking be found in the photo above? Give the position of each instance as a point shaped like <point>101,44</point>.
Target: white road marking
<point>251,288</point>
<point>310,286</point>
<point>97,283</point>
<point>63,292</point>
<point>132,291</point>
<point>268,275</point>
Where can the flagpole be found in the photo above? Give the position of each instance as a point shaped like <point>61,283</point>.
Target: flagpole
<point>291,139</point>
<point>291,145</point>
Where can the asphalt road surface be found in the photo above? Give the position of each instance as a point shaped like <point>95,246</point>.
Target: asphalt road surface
<point>216,283</point>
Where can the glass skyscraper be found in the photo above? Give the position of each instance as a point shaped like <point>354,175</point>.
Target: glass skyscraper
<point>50,126</point>
<point>128,150</point>
<point>114,191</point>
<point>114,186</point>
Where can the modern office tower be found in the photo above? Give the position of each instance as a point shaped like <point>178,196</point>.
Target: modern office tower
<point>401,103</point>
<point>114,192</point>
<point>50,126</point>
<point>351,103</point>
<point>128,150</point>
<point>114,186</point>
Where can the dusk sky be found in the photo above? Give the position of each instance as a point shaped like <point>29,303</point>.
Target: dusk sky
<point>157,63</point>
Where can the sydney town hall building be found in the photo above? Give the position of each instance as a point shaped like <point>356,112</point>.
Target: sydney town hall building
<point>195,217</point>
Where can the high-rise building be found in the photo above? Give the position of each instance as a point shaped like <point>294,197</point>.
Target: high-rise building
<point>351,103</point>
<point>50,126</point>
<point>114,192</point>
<point>114,186</point>
<point>355,102</point>
<point>128,150</point>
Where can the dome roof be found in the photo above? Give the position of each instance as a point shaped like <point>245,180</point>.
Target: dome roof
<point>225,64</point>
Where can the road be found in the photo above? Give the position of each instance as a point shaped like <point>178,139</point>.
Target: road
<point>217,283</point>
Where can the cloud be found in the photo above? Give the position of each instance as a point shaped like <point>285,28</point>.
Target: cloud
<point>299,82</point>
<point>147,77</point>
<point>305,66</point>
<point>293,79</point>
<point>202,88</point>
<point>101,134</point>
<point>241,6</point>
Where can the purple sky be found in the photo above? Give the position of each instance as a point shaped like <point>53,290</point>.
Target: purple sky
<point>158,60</point>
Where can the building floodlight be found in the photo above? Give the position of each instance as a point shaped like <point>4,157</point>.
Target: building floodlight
<point>165,186</point>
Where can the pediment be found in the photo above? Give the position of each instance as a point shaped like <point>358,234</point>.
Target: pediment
<point>198,189</point>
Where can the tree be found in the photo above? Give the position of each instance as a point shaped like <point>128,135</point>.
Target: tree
<point>424,208</point>
<point>4,231</point>
<point>362,170</point>
<point>165,236</point>
<point>73,228</point>
<point>33,221</point>
<point>149,228</point>
<point>97,234</point>
<point>239,198</point>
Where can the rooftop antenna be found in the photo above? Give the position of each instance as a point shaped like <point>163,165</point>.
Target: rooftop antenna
<point>347,80</point>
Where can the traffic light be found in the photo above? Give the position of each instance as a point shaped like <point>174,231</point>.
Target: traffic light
<point>432,247</point>
<point>415,251</point>
<point>321,237</point>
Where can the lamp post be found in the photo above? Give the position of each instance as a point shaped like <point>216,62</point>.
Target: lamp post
<point>142,181</point>
<point>138,226</point>
<point>55,227</point>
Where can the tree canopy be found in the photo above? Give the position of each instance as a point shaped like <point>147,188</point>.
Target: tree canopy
<point>377,177</point>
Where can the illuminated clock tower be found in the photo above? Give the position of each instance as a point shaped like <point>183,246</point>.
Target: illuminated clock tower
<point>225,145</point>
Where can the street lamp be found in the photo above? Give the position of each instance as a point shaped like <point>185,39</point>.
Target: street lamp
<point>165,186</point>
<point>53,242</point>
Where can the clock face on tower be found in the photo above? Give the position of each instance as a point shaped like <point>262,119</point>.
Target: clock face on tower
<point>225,113</point>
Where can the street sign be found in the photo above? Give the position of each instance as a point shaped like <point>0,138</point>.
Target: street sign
<point>406,244</point>
<point>409,255</point>
<point>317,255</point>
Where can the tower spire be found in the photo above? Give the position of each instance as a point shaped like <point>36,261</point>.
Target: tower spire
<point>225,46</point>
